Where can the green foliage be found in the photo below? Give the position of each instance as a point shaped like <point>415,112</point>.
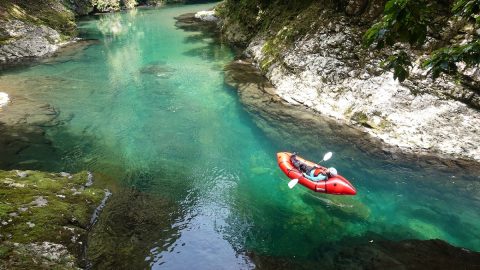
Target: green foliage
<point>400,64</point>
<point>403,20</point>
<point>467,9</point>
<point>407,20</point>
<point>445,60</point>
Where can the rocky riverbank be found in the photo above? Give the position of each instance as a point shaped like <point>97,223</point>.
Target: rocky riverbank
<point>259,96</point>
<point>313,56</point>
<point>45,218</point>
<point>33,29</point>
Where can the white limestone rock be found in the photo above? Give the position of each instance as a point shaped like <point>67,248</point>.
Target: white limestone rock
<point>322,72</point>
<point>4,99</point>
<point>27,40</point>
<point>206,15</point>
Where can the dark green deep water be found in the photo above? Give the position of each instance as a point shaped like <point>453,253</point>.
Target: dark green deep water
<point>198,186</point>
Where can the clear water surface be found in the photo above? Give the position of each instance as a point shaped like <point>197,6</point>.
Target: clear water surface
<point>147,106</point>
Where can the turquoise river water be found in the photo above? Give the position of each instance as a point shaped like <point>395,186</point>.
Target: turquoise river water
<point>198,186</point>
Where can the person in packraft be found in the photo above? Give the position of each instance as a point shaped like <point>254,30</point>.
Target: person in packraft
<point>312,173</point>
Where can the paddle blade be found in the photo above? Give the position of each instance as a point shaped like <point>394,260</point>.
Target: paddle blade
<point>327,156</point>
<point>292,183</point>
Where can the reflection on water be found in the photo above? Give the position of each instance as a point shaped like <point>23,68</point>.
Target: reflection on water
<point>117,24</point>
<point>195,175</point>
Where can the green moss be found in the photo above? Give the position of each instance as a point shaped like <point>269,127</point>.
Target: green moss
<point>360,117</point>
<point>5,40</point>
<point>348,111</point>
<point>51,13</point>
<point>283,24</point>
<point>364,120</point>
<point>271,52</point>
<point>384,124</point>
<point>43,207</point>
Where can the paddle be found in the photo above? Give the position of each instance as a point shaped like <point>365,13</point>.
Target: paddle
<point>327,157</point>
<point>293,182</point>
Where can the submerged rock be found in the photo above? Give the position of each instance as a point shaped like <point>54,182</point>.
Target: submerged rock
<point>160,70</point>
<point>406,254</point>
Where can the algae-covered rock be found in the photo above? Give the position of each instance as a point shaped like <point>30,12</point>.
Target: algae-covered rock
<point>44,218</point>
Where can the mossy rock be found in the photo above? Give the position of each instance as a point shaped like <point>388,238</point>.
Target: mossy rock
<point>52,13</point>
<point>43,215</point>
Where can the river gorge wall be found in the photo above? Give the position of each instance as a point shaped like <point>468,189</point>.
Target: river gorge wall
<point>312,52</point>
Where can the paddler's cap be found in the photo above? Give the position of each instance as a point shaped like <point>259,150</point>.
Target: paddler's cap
<point>332,171</point>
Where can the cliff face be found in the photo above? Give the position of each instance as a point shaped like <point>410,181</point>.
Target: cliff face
<point>312,52</point>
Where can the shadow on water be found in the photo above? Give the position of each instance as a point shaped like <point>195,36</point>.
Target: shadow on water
<point>23,144</point>
<point>18,143</point>
<point>135,227</point>
<point>143,218</point>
